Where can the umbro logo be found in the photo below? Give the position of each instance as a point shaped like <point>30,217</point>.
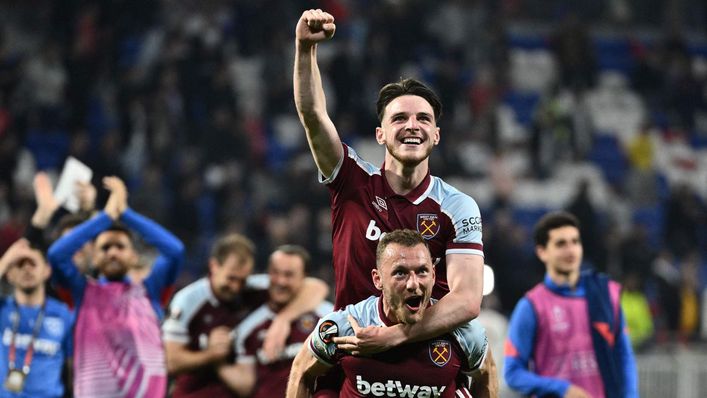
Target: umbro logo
<point>380,204</point>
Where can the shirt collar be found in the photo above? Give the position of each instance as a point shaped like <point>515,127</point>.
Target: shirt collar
<point>565,290</point>
<point>417,195</point>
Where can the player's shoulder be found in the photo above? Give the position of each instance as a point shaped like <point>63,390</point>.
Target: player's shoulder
<point>255,319</point>
<point>449,197</point>
<point>355,158</point>
<point>192,297</point>
<point>336,323</point>
<point>472,339</point>
<point>57,307</point>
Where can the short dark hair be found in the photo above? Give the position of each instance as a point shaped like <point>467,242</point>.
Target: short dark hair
<point>232,244</point>
<point>299,251</point>
<point>391,91</point>
<point>121,228</point>
<point>68,221</point>
<point>550,221</point>
<point>403,237</point>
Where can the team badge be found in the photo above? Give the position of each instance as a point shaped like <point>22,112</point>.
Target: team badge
<point>440,352</point>
<point>427,225</point>
<point>306,323</point>
<point>328,330</point>
<point>54,326</point>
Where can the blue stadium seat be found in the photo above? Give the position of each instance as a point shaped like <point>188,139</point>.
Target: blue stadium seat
<point>651,217</point>
<point>527,42</point>
<point>614,54</point>
<point>608,155</point>
<point>523,104</point>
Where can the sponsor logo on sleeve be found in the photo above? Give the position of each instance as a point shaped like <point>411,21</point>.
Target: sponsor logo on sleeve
<point>328,330</point>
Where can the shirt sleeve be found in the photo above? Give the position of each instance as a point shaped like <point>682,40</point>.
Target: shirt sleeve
<point>181,311</point>
<point>628,362</point>
<point>171,258</point>
<point>518,351</point>
<point>473,341</point>
<point>61,252</point>
<point>321,342</point>
<point>466,219</point>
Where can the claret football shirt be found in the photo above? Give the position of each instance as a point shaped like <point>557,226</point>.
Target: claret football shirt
<point>364,207</point>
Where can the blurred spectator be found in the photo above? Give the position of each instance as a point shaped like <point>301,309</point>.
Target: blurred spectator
<point>639,320</point>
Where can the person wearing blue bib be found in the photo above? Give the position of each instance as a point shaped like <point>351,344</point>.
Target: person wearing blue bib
<point>36,329</point>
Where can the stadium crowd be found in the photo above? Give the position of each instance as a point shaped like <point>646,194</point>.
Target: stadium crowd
<point>190,103</point>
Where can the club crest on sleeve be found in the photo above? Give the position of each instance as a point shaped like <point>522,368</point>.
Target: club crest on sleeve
<point>328,330</point>
<point>428,225</point>
<point>440,352</point>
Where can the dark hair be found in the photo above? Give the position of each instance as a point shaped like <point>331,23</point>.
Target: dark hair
<point>403,237</point>
<point>120,228</point>
<point>391,91</point>
<point>232,244</point>
<point>299,251</point>
<point>66,222</point>
<point>550,221</point>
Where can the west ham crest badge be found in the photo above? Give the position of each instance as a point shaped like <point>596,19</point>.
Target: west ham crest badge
<point>440,352</point>
<point>428,225</point>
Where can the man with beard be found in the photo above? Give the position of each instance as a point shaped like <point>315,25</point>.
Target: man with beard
<point>119,352</point>
<point>368,201</point>
<point>36,329</point>
<point>567,336</point>
<point>198,331</point>
<point>254,375</point>
<point>435,367</point>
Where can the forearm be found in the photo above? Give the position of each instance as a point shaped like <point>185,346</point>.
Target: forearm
<point>240,378</point>
<point>153,233</point>
<point>308,89</point>
<point>519,378</point>
<point>313,292</point>
<point>310,100</point>
<point>182,360</point>
<point>64,248</point>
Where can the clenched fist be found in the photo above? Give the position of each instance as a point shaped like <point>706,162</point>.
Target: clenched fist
<point>314,26</point>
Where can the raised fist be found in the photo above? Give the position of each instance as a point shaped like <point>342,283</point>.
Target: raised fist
<point>315,26</point>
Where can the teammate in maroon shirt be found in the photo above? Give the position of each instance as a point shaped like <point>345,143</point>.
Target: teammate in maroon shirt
<point>368,201</point>
<point>432,368</point>
<point>198,331</point>
<point>254,375</point>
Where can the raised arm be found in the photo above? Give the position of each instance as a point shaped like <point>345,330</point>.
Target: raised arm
<point>18,250</point>
<point>313,27</point>
<point>171,249</point>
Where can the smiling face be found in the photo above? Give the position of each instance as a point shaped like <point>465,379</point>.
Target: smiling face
<point>408,130</point>
<point>405,275</point>
<point>286,272</point>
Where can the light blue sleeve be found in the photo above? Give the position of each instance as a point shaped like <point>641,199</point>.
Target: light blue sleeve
<point>473,341</point>
<point>332,325</point>
<point>519,350</point>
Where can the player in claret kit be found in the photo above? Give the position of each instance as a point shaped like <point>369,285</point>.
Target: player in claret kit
<point>368,201</point>
<point>435,367</point>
